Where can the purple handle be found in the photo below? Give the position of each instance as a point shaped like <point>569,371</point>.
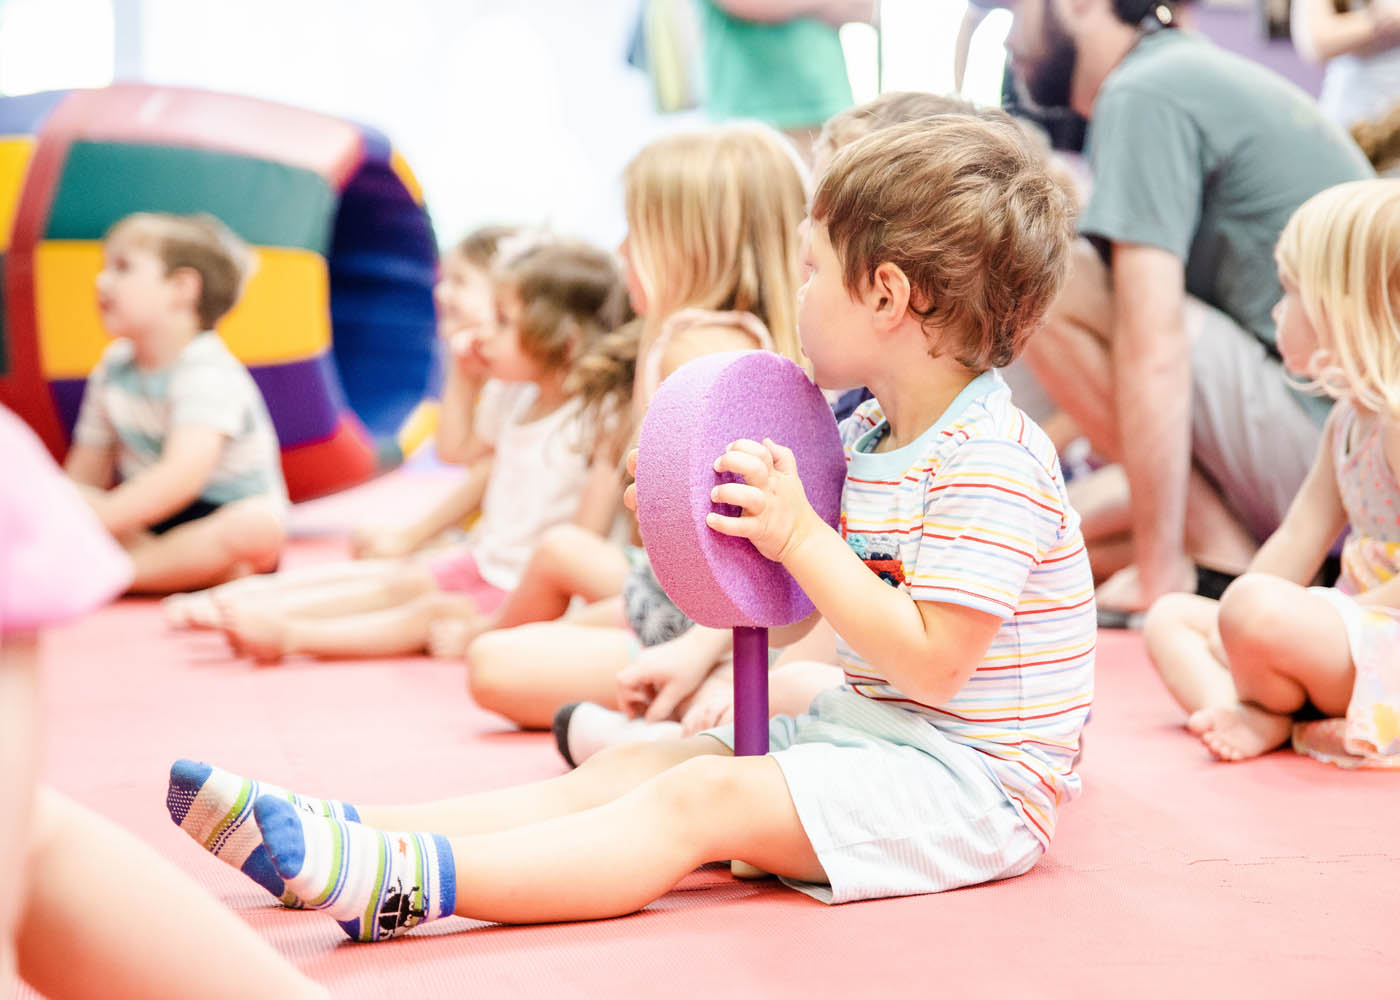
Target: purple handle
<point>750,691</point>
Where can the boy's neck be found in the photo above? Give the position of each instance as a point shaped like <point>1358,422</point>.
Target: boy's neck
<point>916,389</point>
<point>159,347</point>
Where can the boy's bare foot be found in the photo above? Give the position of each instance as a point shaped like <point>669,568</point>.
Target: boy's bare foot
<point>448,638</point>
<point>1239,732</point>
<point>191,611</point>
<point>254,632</point>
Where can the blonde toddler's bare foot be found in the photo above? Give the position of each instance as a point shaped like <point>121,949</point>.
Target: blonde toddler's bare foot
<point>1239,732</point>
<point>254,632</point>
<point>448,638</point>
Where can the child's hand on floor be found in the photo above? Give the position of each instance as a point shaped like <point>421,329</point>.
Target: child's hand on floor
<point>774,511</point>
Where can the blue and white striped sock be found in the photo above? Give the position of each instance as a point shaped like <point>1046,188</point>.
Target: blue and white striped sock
<point>215,807</point>
<point>376,884</point>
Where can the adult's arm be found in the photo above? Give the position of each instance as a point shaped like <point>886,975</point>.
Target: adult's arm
<point>1152,377</point>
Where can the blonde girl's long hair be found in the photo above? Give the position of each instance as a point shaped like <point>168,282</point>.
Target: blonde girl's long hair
<point>713,222</point>
<point>1341,250</point>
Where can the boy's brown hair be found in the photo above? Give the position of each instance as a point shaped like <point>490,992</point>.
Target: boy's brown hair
<point>892,108</point>
<point>968,212</point>
<point>201,243</point>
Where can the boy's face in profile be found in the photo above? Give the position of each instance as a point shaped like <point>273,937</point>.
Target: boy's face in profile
<point>134,293</point>
<point>833,327</point>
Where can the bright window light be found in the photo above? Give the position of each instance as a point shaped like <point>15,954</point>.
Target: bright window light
<point>55,45</point>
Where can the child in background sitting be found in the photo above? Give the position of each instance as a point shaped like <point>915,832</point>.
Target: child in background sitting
<point>173,439</point>
<point>1273,647</point>
<point>935,249</point>
<point>466,313</point>
<point>552,461</point>
<point>711,259</point>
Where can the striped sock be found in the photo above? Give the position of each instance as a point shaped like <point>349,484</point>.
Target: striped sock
<point>377,885</point>
<point>215,807</point>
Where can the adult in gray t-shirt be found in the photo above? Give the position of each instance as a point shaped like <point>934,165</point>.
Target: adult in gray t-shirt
<point>1161,345</point>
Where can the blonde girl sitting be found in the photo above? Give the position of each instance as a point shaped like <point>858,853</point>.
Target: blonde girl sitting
<point>711,262</point>
<point>554,301</point>
<point>1275,650</point>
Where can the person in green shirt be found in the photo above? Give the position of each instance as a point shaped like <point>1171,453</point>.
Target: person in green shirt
<point>779,61</point>
<point>1162,346</point>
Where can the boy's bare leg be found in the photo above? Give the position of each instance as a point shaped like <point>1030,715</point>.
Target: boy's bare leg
<point>603,777</point>
<point>106,916</point>
<point>450,638</point>
<point>527,673</point>
<point>616,858</point>
<point>1183,641</point>
<point>237,539</point>
<point>268,635</point>
<point>1286,647</point>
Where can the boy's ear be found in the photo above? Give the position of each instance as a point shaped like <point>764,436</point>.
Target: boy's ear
<point>188,284</point>
<point>888,295</point>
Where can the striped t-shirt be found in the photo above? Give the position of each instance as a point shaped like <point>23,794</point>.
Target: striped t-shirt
<point>974,513</point>
<point>206,386</point>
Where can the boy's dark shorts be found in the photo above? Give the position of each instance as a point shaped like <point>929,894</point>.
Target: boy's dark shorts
<point>196,510</point>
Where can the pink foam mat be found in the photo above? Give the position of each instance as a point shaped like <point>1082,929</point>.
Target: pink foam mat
<point>1173,875</point>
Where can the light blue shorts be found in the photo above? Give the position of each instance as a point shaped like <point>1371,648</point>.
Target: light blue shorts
<point>891,806</point>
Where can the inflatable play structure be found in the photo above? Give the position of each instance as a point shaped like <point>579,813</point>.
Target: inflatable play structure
<point>336,323</point>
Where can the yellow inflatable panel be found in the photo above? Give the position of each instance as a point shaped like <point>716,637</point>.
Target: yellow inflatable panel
<point>406,176</point>
<point>284,314</point>
<point>15,152</point>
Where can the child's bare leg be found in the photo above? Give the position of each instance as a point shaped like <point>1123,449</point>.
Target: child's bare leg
<point>200,609</point>
<point>239,538</point>
<point>597,863</point>
<point>19,699</point>
<point>1183,642</point>
<point>1286,647</point>
<point>392,585</point>
<point>267,635</point>
<point>568,561</point>
<point>527,673</point>
<point>215,807</point>
<point>106,916</point>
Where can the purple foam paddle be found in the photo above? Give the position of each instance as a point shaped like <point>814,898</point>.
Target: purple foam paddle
<point>717,580</point>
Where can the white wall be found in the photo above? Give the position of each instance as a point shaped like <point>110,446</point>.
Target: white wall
<point>508,110</point>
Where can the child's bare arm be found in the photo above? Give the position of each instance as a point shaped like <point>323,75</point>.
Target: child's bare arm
<point>187,463</point>
<point>602,492</point>
<point>457,441</point>
<point>452,510</point>
<point>1311,526</point>
<point>90,465</point>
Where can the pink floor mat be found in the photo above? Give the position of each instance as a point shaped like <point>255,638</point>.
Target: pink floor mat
<point>1173,875</point>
